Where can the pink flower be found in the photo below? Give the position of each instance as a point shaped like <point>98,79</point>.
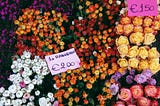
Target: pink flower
<point>150,91</point>
<point>26,95</point>
<point>158,93</point>
<point>143,101</point>
<point>125,94</point>
<point>119,103</point>
<point>22,84</point>
<point>56,103</point>
<point>137,91</point>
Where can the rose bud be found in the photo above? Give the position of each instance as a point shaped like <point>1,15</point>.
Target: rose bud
<point>143,101</point>
<point>150,91</point>
<point>137,91</point>
<point>125,94</point>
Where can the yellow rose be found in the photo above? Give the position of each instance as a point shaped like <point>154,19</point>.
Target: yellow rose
<point>133,62</point>
<point>133,51</point>
<point>143,64</point>
<point>149,38</point>
<point>122,40</point>
<point>128,29</point>
<point>123,50</point>
<point>138,29</point>
<point>123,63</point>
<point>143,53</point>
<point>153,53</point>
<point>148,30</point>
<point>136,38</point>
<point>154,65</point>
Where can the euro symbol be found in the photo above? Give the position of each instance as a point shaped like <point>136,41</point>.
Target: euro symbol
<point>54,68</point>
<point>133,7</point>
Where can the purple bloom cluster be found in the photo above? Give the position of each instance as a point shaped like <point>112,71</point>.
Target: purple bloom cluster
<point>64,6</point>
<point>114,88</point>
<point>42,4</point>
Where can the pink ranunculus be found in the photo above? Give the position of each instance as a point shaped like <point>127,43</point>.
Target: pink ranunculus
<point>137,91</point>
<point>154,103</point>
<point>143,101</point>
<point>125,94</point>
<point>119,103</point>
<point>150,90</point>
<point>56,103</point>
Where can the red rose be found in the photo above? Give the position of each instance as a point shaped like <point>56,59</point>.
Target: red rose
<point>158,93</point>
<point>137,91</point>
<point>150,91</point>
<point>143,101</point>
<point>125,94</point>
<point>119,103</point>
<point>154,103</point>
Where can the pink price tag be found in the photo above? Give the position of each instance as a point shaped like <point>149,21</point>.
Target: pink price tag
<point>142,7</point>
<point>63,61</point>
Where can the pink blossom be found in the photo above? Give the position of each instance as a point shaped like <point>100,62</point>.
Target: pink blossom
<point>125,94</point>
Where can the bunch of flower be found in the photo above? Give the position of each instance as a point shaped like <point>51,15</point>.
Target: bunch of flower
<point>138,57</point>
<point>64,7</point>
<point>137,95</point>
<point>44,5</point>
<point>28,75</point>
<point>40,33</point>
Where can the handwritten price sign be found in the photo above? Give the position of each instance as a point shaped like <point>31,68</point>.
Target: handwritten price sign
<point>63,61</point>
<point>142,8</point>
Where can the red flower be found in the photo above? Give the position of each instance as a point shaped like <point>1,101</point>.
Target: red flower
<point>119,103</point>
<point>137,91</point>
<point>154,103</point>
<point>158,93</point>
<point>143,101</point>
<point>150,91</point>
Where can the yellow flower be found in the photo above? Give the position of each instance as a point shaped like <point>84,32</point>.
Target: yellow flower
<point>143,53</point>
<point>149,38</point>
<point>122,40</point>
<point>123,50</point>
<point>133,62</point>
<point>136,38</point>
<point>153,53</point>
<point>123,62</point>
<point>88,3</point>
<point>70,89</point>
<point>154,65</point>
<point>133,51</point>
<point>143,64</point>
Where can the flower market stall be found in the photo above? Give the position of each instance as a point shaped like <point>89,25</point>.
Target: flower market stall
<point>79,53</point>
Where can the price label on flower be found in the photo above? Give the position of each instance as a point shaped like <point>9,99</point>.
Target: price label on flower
<point>63,61</point>
<point>142,8</point>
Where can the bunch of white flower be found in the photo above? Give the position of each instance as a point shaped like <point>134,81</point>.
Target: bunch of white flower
<point>19,93</point>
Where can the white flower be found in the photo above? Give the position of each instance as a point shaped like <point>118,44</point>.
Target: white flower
<point>24,100</point>
<point>27,80</point>
<point>36,57</point>
<point>52,99</point>
<point>49,104</point>
<point>31,86</point>
<point>37,93</point>
<point>3,100</point>
<point>24,74</point>
<point>50,95</point>
<point>29,72</point>
<point>15,70</point>
<point>118,2</point>
<point>12,77</point>
<point>27,61</point>
<point>22,57</point>
<point>12,89</point>
<point>8,102</point>
<point>35,60</point>
<point>43,101</point>
<point>72,22</point>
<point>20,65</point>
<point>80,18</point>
<point>27,54</point>
<point>12,96</point>
<point>30,104</point>
<point>17,102</point>
<point>1,104</point>
<point>13,66</point>
<point>43,63</point>
<point>39,82</point>
<point>34,81</point>
<point>31,98</point>
<point>26,68</point>
<point>19,60</point>
<point>26,65</point>
<point>2,89</point>
<point>6,93</point>
<point>15,62</point>
<point>19,94</point>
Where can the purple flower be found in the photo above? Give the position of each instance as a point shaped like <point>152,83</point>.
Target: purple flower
<point>129,79</point>
<point>114,89</point>
<point>147,73</point>
<point>140,78</point>
<point>151,81</point>
<point>116,76</point>
<point>132,72</point>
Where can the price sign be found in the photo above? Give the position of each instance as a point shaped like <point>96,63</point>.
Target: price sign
<point>63,61</point>
<point>142,8</point>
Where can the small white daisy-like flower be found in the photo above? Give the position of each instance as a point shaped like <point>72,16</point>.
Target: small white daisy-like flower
<point>55,86</point>
<point>31,98</point>
<point>19,94</point>
<point>13,66</point>
<point>31,86</point>
<point>50,95</point>
<point>24,74</point>
<point>19,60</point>
<point>20,65</point>
<point>24,100</point>
<point>39,82</point>
<point>43,101</point>
<point>80,18</point>
<point>27,61</point>
<point>7,102</point>
<point>118,2</point>
<point>30,104</point>
<point>37,93</point>
<point>27,80</point>
<point>12,96</point>
<point>3,99</point>
<point>12,89</point>
<point>27,54</point>
<point>2,89</point>
<point>6,93</point>
<point>22,57</point>
<point>34,81</point>
<point>18,102</point>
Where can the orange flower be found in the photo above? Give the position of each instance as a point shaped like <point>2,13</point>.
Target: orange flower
<point>84,94</point>
<point>66,95</point>
<point>85,101</point>
<point>76,99</point>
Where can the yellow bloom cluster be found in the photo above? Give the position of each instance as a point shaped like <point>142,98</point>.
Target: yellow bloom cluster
<point>137,57</point>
